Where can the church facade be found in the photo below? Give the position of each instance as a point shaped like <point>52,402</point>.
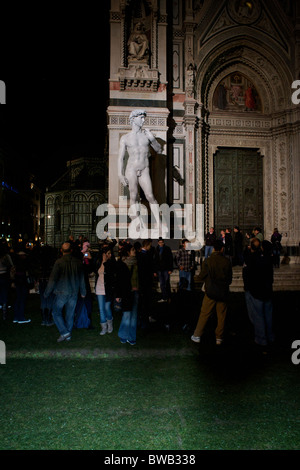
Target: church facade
<point>215,79</point>
<point>72,201</point>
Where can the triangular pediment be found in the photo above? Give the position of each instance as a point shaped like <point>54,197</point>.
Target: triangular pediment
<point>229,21</point>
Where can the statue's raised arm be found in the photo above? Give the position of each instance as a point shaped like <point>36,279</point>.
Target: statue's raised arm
<point>153,142</point>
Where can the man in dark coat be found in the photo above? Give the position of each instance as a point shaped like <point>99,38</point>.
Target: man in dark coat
<point>145,273</point>
<point>210,238</point>
<point>163,265</point>
<point>237,247</point>
<point>258,285</point>
<point>276,242</point>
<point>66,281</point>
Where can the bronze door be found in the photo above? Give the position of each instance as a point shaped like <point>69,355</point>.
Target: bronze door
<point>238,189</point>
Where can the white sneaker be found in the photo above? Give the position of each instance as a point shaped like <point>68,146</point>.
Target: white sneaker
<point>196,339</point>
<point>103,328</point>
<point>65,337</point>
<point>109,326</point>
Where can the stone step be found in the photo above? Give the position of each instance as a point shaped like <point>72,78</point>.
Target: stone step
<point>292,286</point>
<point>285,278</point>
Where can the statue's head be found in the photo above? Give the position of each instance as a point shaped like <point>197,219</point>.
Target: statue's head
<point>139,26</point>
<point>135,113</point>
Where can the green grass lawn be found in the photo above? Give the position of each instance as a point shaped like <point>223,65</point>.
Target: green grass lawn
<point>165,393</point>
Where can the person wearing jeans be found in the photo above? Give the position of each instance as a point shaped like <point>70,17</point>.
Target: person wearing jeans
<point>64,325</point>
<point>6,265</point>
<point>105,289</point>
<point>22,288</point>
<point>127,330</point>
<point>260,313</point>
<point>258,285</point>
<point>105,310</point>
<point>127,291</point>
<point>66,282</point>
<point>19,306</point>
<point>186,263</point>
<point>210,238</point>
<point>185,275</point>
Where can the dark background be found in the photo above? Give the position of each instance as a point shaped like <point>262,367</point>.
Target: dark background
<point>55,64</point>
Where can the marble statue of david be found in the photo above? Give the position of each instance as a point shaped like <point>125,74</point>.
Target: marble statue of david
<point>137,144</point>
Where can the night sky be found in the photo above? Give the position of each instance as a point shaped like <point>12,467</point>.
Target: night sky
<point>55,65</point>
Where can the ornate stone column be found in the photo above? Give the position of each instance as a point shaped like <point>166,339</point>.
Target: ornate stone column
<point>190,107</point>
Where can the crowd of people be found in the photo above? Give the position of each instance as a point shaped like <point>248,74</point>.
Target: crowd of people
<point>258,258</point>
<point>123,275</point>
<point>235,243</point>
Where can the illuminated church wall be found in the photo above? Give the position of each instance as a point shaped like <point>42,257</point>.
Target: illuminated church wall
<point>213,76</point>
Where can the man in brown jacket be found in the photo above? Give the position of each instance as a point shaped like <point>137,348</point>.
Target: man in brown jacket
<point>217,275</point>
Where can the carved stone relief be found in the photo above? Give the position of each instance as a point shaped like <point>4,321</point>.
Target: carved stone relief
<point>138,71</point>
<point>138,44</point>
<point>244,12</point>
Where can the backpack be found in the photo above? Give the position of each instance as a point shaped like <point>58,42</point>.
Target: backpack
<point>81,316</point>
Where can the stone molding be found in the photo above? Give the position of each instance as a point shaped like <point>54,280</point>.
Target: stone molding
<point>138,77</point>
<point>155,119</point>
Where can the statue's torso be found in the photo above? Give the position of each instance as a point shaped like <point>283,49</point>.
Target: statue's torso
<point>137,146</point>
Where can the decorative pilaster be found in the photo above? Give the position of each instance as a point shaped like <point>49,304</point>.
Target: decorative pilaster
<point>190,106</point>
<point>297,42</point>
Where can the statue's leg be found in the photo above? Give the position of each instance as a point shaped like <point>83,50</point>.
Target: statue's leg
<point>133,187</point>
<point>146,185</point>
<point>135,206</point>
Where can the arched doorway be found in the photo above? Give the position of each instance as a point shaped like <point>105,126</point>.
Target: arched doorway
<point>238,189</point>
